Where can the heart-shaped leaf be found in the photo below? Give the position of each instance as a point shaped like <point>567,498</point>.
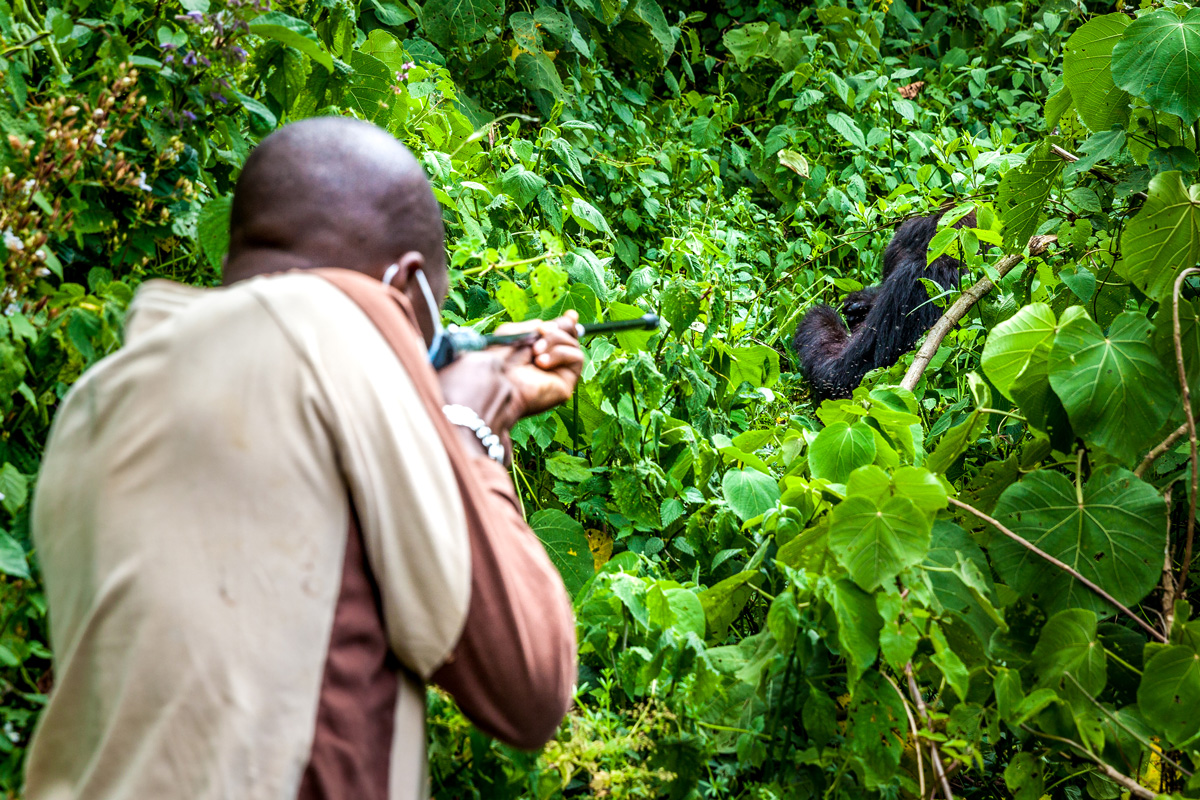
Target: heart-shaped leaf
<point>839,449</point>
<point>1019,344</point>
<point>1112,532</point>
<point>875,541</point>
<point>1163,238</point>
<point>1170,692</point>
<point>1087,72</point>
<point>749,492</point>
<point>1158,59</point>
<point>1114,388</point>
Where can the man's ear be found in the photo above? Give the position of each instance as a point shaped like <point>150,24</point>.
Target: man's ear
<point>406,265</point>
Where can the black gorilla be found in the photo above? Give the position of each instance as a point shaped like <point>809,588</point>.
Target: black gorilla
<point>884,321</point>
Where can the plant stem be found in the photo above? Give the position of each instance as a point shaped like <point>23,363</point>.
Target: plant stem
<point>1161,448</point>
<point>1191,425</point>
<point>919,701</point>
<point>1074,573</point>
<point>1135,788</point>
<point>916,734</point>
<point>954,314</point>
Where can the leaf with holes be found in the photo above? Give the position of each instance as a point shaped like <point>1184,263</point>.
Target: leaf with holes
<point>1169,693</point>
<point>1112,533</point>
<point>1087,72</point>
<point>1114,388</point>
<point>876,729</point>
<point>1068,645</point>
<point>449,22</point>
<point>1158,59</point>
<point>536,71</point>
<point>1024,190</point>
<point>1163,238</point>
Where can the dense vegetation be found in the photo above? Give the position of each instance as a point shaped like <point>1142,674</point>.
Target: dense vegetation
<point>972,579</point>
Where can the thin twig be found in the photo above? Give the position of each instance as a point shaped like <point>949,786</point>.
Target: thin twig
<point>1104,176</point>
<point>919,701</point>
<point>1191,424</point>
<point>1074,573</point>
<point>954,314</point>
<point>1159,449</point>
<point>1168,579</point>
<point>1135,788</point>
<point>912,725</point>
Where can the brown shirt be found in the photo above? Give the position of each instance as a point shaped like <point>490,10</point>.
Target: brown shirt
<point>256,547</point>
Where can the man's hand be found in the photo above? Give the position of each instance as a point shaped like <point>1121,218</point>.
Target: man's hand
<point>505,383</point>
<point>545,372</point>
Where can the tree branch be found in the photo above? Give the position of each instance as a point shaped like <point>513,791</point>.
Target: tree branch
<point>1159,449</point>
<point>954,314</point>
<point>912,726</point>
<point>1135,788</point>
<point>1074,573</point>
<point>1191,425</point>
<point>933,750</point>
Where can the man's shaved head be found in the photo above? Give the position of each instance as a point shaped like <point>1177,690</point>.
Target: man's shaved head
<point>333,192</point>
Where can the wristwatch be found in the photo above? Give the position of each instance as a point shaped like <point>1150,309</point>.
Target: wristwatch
<point>467,418</point>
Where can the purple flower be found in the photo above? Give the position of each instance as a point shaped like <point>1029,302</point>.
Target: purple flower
<point>189,116</point>
<point>220,98</point>
<point>237,54</point>
<point>191,16</point>
<point>168,46</point>
<point>168,58</point>
<point>407,65</point>
<point>204,61</point>
<point>190,59</point>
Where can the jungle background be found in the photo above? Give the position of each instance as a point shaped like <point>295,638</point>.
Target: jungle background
<point>969,581</point>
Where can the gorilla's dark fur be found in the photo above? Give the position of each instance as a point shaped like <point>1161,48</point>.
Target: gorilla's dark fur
<point>884,321</point>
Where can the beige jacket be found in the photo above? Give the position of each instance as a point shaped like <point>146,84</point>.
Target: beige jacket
<point>256,549</point>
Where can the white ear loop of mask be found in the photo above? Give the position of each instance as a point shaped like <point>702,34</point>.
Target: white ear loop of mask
<point>389,274</point>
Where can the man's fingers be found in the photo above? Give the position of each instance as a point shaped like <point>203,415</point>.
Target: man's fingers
<point>568,356</point>
<point>566,323</point>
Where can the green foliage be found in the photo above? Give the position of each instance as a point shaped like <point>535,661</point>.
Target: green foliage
<point>754,578</point>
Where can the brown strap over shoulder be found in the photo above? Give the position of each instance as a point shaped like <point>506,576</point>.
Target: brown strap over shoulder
<point>513,670</point>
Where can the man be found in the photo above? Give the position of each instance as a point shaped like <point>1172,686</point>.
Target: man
<point>259,533</point>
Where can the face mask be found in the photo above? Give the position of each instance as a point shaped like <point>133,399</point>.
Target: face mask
<point>441,352</point>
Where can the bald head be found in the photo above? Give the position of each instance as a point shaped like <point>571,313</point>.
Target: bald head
<point>333,192</point>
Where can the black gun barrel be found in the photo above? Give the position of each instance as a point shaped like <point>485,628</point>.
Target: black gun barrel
<point>646,322</point>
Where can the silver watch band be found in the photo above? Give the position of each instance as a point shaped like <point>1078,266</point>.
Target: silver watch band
<point>467,418</point>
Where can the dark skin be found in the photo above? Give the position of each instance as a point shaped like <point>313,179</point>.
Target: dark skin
<point>335,192</point>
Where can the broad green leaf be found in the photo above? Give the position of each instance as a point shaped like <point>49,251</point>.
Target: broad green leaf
<point>874,542</point>
<point>525,32</point>
<point>549,284</point>
<point>369,92</point>
<point>521,184</point>
<point>848,128</point>
<point>749,492</point>
<point>449,22</point>
<point>876,729</point>
<point>839,449</point>
<point>12,557</point>
<point>679,304</point>
<point>967,595</point>
<point>952,667</point>
<point>568,467</point>
<point>537,72</point>
<point>747,42</point>
<point>955,442</point>
<point>1112,534</point>
<point>213,229</point>
<point>1068,644</point>
<point>1114,388</point>
<point>723,602</point>
<point>794,161</point>
<point>387,48</point>
<point>1158,59</point>
<point>1023,192</point>
<point>1169,694</point>
<point>14,488</point>
<point>567,546</point>
<point>858,624</point>
<point>644,36</point>
<point>588,217</point>
<point>1163,238</point>
<point>1087,72</point>
<point>294,33</point>
<point>514,300</point>
<point>1019,344</point>
<point>688,610</point>
<point>1023,776</point>
<point>756,364</point>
